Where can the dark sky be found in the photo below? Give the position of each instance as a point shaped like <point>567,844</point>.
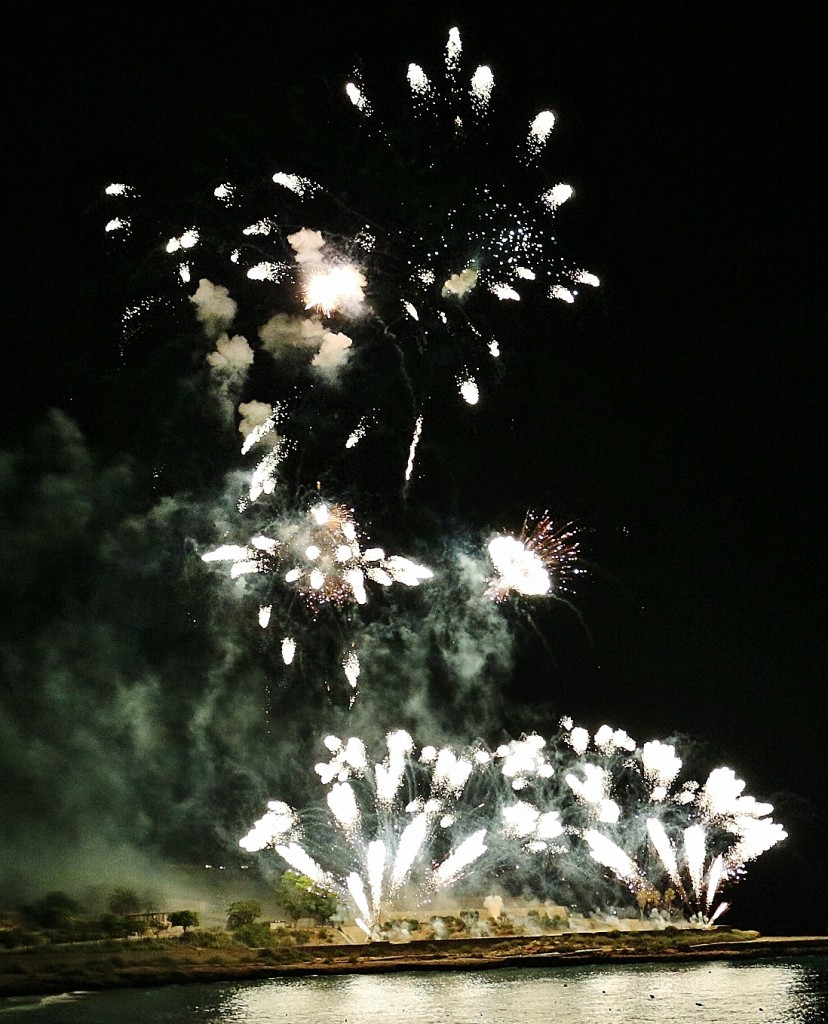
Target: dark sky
<point>677,414</point>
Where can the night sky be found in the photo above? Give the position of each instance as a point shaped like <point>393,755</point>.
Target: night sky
<point>675,414</point>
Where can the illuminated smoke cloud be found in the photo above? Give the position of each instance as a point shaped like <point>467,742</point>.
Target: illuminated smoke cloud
<point>307,245</point>
<point>462,283</point>
<point>333,353</point>
<point>254,414</point>
<point>232,356</point>
<point>283,332</point>
<point>214,307</point>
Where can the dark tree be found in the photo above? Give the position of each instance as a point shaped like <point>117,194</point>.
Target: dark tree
<point>54,910</point>
<point>123,902</point>
<point>243,912</point>
<point>184,919</point>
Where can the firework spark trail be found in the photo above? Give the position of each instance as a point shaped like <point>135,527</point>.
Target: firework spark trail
<point>386,817</point>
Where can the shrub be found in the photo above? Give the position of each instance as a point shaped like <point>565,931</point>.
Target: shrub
<point>208,938</point>
<point>258,933</point>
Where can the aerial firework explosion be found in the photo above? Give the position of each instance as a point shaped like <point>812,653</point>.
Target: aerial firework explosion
<point>363,319</point>
<point>544,558</point>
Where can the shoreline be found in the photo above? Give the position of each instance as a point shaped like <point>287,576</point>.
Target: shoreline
<point>51,975</point>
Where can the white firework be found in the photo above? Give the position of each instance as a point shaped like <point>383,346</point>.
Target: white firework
<point>389,825</point>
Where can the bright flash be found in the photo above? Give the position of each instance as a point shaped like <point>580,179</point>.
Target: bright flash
<point>332,289</point>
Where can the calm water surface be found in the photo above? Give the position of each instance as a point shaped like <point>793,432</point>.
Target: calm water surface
<point>777,992</point>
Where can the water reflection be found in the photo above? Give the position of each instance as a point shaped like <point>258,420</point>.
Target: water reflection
<point>713,993</point>
<point>775,992</point>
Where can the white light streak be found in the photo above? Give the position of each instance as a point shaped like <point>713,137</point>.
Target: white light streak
<point>412,450</point>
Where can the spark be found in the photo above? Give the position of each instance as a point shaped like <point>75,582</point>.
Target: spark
<point>558,291</point>
<point>288,650</point>
<point>186,240</point>
<point>356,97</point>
<point>260,227</point>
<point>327,563</point>
<point>557,196</point>
<point>268,271</point>
<point>469,390</point>
<point>482,84</point>
<point>295,183</point>
<point>385,816</point>
<point>357,433</point>
<point>454,47</point>
<point>415,440</point>
<point>504,291</point>
<point>224,192</point>
<point>418,80</point>
<point>539,131</point>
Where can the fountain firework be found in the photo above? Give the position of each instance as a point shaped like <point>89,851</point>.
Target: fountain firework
<point>389,825</point>
<point>582,802</point>
<point>628,807</point>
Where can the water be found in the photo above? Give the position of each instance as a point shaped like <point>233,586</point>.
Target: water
<point>777,992</point>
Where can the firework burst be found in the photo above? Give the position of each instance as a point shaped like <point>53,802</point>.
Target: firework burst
<point>321,557</point>
<point>542,560</point>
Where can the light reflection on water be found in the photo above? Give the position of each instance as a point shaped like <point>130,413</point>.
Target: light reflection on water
<point>793,992</point>
<point>713,993</point>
